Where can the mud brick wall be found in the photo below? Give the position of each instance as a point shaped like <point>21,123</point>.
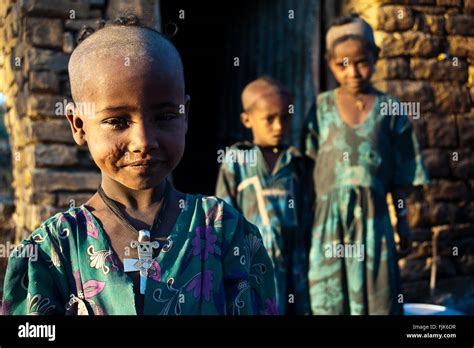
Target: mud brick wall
<point>427,56</point>
<point>49,171</point>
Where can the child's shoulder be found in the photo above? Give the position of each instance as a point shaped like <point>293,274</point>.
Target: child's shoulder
<point>237,156</point>
<point>325,97</point>
<point>242,145</point>
<point>61,224</point>
<point>328,96</point>
<point>385,96</point>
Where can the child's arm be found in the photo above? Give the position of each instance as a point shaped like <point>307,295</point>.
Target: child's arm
<point>29,287</point>
<point>309,135</point>
<point>403,229</point>
<point>248,273</point>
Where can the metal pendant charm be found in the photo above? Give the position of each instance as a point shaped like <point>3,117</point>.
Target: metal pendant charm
<point>145,257</point>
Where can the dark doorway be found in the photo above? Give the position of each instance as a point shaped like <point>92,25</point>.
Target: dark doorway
<point>266,42</point>
<point>200,38</point>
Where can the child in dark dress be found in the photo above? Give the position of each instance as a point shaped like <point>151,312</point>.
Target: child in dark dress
<point>360,155</point>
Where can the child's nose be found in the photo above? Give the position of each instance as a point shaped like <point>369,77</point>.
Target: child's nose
<point>143,138</point>
<point>277,125</point>
<point>353,70</point>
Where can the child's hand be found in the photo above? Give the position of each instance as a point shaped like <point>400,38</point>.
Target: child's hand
<point>406,238</point>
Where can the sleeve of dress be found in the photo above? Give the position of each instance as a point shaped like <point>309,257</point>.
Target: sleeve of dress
<point>248,273</point>
<point>226,186</point>
<point>29,287</point>
<point>408,162</point>
<point>310,131</point>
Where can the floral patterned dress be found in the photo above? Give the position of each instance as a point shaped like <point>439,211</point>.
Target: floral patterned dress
<point>353,264</point>
<point>213,262</point>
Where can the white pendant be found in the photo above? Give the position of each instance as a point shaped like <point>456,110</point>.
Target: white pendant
<point>145,257</point>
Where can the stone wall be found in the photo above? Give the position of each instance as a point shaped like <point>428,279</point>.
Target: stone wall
<point>427,56</point>
<point>49,171</point>
<point>6,201</point>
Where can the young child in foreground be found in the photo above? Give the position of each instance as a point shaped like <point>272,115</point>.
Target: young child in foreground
<point>138,246</point>
<point>269,190</point>
<point>360,154</point>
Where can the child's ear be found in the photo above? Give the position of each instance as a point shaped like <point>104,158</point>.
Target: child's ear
<point>245,119</point>
<point>76,123</point>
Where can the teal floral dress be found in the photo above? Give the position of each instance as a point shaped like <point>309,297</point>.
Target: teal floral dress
<point>353,263</point>
<point>279,204</point>
<point>214,262</point>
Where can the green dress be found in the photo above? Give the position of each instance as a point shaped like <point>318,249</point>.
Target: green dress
<point>277,203</point>
<point>213,262</point>
<point>353,262</point>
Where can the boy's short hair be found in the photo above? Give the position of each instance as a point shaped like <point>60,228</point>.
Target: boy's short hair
<point>136,42</point>
<point>272,86</point>
<point>351,18</point>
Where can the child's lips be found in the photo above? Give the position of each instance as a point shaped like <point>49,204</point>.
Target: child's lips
<point>143,163</point>
<point>356,83</point>
<point>144,166</point>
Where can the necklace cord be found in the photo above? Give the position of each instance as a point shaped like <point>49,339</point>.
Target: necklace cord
<point>118,212</point>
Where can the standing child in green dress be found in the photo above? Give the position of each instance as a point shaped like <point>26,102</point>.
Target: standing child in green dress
<point>360,155</point>
<point>264,180</point>
<point>200,256</point>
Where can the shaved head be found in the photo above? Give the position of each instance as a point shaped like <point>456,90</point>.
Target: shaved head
<point>127,83</point>
<point>260,88</point>
<point>132,47</point>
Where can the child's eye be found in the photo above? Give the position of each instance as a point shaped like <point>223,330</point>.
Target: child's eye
<point>270,119</point>
<point>117,123</point>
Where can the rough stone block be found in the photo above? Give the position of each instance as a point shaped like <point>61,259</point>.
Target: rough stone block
<point>460,25</point>
<point>451,97</point>
<point>45,105</point>
<point>389,69</point>
<point>41,59</point>
<point>436,162</point>
<point>51,180</point>
<point>55,8</point>
<point>435,70</point>
<point>390,18</point>
<point>442,131</point>
<point>70,199</point>
<point>460,46</point>
<point>44,81</point>
<point>465,130</point>
<point>48,131</point>
<point>52,155</point>
<point>414,43</point>
<point>445,190</point>
<point>44,32</point>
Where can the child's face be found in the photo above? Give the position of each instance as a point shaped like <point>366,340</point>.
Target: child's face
<point>140,114</point>
<point>269,120</point>
<point>352,65</point>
